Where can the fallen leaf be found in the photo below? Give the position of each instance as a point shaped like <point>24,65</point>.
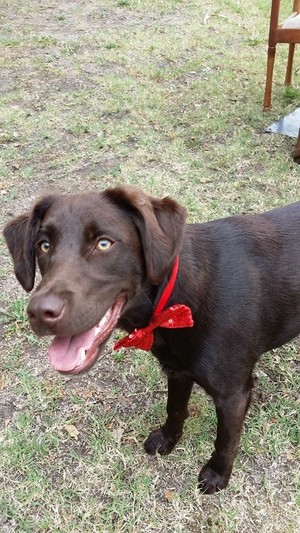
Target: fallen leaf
<point>3,382</point>
<point>72,430</point>
<point>290,454</point>
<point>118,434</point>
<point>169,495</point>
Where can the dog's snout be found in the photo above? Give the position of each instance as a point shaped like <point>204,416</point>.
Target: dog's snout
<point>46,309</point>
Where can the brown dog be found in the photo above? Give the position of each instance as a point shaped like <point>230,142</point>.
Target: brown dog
<point>109,260</point>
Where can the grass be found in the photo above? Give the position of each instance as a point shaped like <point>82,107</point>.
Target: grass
<point>167,95</point>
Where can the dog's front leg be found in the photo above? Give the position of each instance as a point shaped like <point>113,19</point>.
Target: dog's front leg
<point>231,412</point>
<point>163,439</point>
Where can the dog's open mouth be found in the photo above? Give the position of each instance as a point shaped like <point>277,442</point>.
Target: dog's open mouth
<point>79,352</point>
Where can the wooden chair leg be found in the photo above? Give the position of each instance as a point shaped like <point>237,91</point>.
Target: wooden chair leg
<point>269,77</point>
<point>288,75</point>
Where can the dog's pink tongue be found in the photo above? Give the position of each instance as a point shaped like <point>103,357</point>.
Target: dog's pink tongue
<point>66,353</point>
<point>78,353</point>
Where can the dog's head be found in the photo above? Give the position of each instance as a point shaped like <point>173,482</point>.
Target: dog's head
<point>95,252</point>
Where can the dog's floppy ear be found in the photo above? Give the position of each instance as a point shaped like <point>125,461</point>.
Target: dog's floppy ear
<point>161,224</point>
<point>20,235</point>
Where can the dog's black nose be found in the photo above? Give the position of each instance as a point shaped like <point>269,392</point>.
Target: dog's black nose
<point>45,309</point>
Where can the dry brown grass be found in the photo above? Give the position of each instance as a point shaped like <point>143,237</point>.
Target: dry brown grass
<point>167,95</point>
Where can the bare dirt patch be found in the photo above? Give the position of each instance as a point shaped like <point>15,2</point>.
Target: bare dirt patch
<point>166,95</point>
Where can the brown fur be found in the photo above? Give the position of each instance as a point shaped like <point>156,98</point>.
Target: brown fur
<point>240,276</point>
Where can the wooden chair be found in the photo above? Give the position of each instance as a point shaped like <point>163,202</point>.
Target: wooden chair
<point>287,32</point>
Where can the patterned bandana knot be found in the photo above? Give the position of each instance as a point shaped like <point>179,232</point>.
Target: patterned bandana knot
<point>176,316</point>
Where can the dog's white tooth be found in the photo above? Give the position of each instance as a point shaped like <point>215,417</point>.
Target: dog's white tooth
<point>82,356</point>
<point>103,321</point>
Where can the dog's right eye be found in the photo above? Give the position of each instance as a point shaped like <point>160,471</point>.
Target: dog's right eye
<point>44,247</point>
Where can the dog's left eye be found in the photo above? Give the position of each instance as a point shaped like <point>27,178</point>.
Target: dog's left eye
<point>103,244</point>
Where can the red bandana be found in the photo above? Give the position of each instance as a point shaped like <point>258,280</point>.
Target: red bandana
<point>176,316</point>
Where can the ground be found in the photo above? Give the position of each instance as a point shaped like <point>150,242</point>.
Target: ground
<point>166,95</point>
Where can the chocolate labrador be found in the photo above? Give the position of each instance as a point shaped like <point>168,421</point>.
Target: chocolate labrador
<point>207,299</point>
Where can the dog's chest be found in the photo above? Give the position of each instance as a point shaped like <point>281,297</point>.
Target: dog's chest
<point>171,353</point>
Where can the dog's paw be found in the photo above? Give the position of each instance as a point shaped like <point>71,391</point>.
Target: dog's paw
<point>210,481</point>
<point>159,442</point>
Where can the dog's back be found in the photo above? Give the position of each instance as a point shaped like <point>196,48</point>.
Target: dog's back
<point>254,274</point>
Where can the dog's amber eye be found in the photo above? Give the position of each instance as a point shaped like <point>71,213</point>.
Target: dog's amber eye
<point>103,244</point>
<point>44,246</point>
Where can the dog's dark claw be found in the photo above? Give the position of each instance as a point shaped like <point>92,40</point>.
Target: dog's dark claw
<point>210,481</point>
<point>158,442</point>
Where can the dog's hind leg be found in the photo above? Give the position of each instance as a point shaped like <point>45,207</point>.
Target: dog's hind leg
<point>231,412</point>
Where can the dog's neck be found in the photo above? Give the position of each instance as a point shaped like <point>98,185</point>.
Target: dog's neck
<point>142,306</point>
<point>168,289</point>
<point>175,316</point>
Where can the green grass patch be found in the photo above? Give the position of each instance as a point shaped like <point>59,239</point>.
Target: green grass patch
<point>167,95</point>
